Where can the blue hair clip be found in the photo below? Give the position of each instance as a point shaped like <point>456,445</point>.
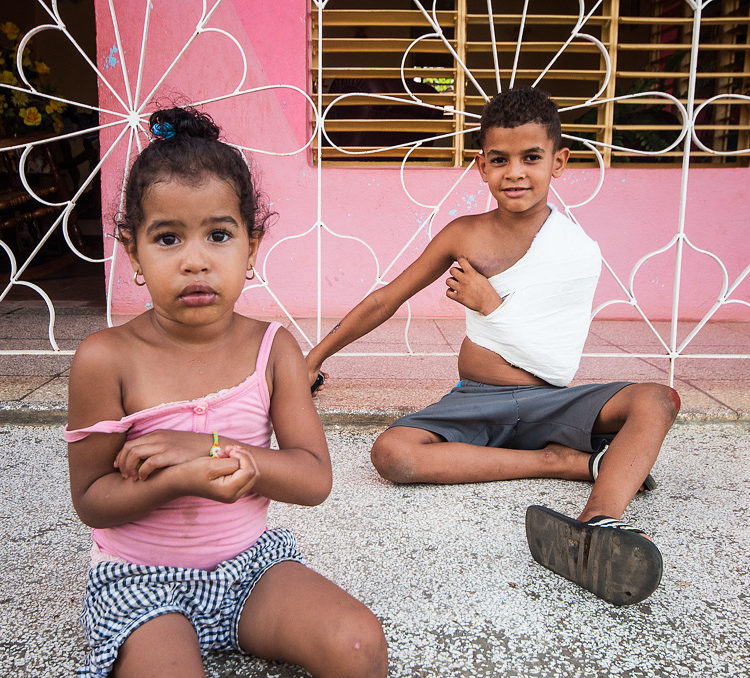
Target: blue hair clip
<point>162,130</point>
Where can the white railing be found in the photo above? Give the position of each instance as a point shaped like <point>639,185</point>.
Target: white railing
<point>135,105</point>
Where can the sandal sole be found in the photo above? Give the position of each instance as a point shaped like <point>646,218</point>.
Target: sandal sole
<point>618,566</point>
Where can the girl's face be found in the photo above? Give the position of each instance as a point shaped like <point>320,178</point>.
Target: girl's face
<point>193,249</point>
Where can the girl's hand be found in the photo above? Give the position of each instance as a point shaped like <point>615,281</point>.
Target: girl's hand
<point>140,457</point>
<point>469,287</point>
<point>225,478</point>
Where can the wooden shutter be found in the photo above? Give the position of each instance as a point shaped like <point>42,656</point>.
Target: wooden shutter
<point>648,43</point>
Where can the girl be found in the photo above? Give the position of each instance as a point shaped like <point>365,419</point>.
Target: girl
<point>170,418</point>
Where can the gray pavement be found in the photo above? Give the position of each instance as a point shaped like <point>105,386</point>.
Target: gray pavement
<point>446,569</point>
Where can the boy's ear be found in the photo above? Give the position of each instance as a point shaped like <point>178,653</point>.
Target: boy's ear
<point>560,161</point>
<point>480,161</point>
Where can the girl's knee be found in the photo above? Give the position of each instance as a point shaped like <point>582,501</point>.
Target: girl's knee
<point>166,645</point>
<point>358,648</point>
<point>392,459</point>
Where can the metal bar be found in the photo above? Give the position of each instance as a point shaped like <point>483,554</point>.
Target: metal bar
<point>459,47</point>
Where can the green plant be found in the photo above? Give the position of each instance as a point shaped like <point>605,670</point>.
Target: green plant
<point>20,112</point>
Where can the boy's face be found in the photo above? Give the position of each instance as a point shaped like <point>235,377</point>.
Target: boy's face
<point>517,165</point>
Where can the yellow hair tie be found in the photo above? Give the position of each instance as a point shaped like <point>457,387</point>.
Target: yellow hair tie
<point>215,447</point>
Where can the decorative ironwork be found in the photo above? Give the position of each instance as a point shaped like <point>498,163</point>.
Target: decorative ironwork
<point>130,126</point>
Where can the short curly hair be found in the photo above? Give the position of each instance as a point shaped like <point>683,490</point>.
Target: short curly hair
<point>518,106</point>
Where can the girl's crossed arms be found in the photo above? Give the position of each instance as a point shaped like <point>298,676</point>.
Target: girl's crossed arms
<point>104,466</point>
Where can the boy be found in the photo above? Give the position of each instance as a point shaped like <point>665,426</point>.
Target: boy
<point>526,275</point>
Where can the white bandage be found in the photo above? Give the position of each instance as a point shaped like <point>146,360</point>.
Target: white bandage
<point>544,319</point>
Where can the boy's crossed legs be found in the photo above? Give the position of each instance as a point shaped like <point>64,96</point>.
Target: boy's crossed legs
<point>293,615</point>
<point>640,415</point>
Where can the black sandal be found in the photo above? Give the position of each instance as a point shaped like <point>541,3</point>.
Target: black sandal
<point>611,559</point>
<point>317,383</point>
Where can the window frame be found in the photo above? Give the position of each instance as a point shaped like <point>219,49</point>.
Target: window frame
<point>609,23</point>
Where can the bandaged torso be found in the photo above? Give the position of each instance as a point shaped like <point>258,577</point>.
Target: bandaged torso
<point>542,324</point>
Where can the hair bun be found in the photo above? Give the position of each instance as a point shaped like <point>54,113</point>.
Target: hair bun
<point>169,123</point>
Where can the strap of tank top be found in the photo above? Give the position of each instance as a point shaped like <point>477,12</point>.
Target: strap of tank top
<point>262,360</point>
<point>265,346</point>
<point>107,426</point>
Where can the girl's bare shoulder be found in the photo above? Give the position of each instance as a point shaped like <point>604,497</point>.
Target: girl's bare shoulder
<point>250,333</point>
<point>109,350</point>
<point>96,377</point>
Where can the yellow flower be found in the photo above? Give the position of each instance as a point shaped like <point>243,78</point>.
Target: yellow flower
<point>26,60</point>
<point>57,124</point>
<point>55,107</point>
<point>31,116</point>
<point>10,30</point>
<point>19,98</point>
<point>7,78</point>
<point>41,67</point>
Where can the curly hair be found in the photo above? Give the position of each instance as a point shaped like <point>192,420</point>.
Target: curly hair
<point>518,106</point>
<point>186,147</point>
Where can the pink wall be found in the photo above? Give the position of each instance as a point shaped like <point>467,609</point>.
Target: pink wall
<point>635,212</point>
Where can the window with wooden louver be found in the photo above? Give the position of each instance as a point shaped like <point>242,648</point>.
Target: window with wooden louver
<point>365,47</point>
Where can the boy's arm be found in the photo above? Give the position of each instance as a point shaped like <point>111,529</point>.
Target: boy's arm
<point>382,303</point>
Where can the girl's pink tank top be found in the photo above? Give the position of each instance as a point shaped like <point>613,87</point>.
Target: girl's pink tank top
<point>193,531</point>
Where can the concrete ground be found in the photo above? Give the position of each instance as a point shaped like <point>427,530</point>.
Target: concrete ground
<point>446,569</point>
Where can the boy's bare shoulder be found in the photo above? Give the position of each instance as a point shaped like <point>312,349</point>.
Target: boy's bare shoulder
<point>467,233</point>
<point>467,224</point>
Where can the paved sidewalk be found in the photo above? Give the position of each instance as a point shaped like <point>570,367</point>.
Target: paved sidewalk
<point>711,389</point>
<point>445,568</point>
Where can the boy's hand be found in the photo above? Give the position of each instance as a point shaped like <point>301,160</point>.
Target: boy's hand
<point>140,457</point>
<point>313,370</point>
<point>469,287</point>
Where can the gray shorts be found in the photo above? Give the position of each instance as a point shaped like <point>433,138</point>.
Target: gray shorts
<point>518,417</point>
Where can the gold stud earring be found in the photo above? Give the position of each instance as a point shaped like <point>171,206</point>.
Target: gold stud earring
<point>135,279</point>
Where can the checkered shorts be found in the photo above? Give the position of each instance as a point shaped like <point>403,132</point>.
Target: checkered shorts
<point>120,597</point>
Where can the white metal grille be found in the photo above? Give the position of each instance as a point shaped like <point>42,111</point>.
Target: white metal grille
<point>136,102</point>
